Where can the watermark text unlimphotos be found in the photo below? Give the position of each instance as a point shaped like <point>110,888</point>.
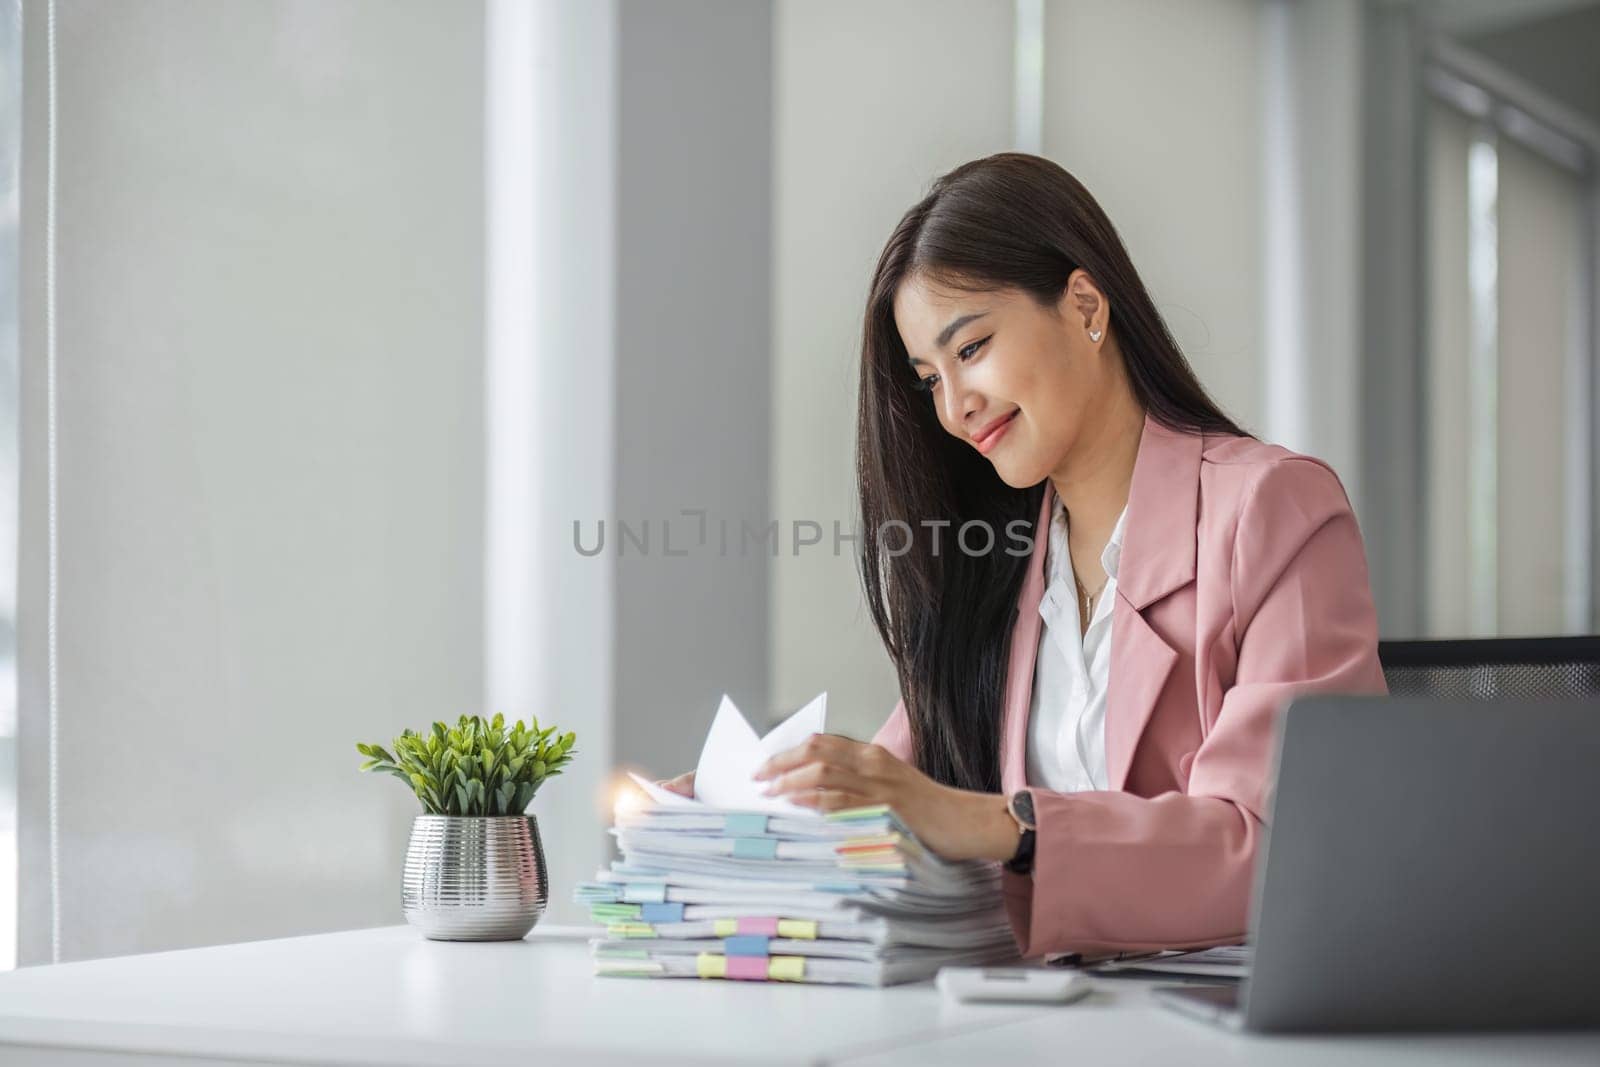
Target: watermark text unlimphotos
<point>694,531</point>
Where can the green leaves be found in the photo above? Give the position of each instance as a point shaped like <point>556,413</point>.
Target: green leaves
<point>477,767</point>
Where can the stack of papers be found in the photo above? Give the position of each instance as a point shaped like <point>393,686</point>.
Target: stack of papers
<point>735,884</point>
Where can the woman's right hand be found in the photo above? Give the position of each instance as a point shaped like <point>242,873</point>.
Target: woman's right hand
<point>683,784</point>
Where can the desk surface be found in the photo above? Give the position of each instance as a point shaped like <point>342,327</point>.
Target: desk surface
<point>388,996</point>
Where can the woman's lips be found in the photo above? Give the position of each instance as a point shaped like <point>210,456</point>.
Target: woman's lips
<point>992,437</point>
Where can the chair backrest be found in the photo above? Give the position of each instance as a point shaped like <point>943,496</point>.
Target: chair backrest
<point>1527,668</point>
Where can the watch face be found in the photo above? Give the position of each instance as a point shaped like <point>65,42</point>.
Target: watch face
<point>1022,806</point>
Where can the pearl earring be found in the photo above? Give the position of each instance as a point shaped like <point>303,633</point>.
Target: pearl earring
<point>1094,335</point>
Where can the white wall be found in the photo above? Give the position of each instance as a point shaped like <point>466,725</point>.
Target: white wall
<point>694,261</point>
<point>873,101</point>
<point>1155,106</point>
<point>270,336</point>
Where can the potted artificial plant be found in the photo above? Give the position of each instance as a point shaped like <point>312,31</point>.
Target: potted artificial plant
<point>475,867</point>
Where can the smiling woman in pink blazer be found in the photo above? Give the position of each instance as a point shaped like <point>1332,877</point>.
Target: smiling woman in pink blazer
<point>1012,356</point>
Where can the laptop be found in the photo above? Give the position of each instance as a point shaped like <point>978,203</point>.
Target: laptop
<point>1431,864</point>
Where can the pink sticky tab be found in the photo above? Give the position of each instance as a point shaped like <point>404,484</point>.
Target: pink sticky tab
<point>763,927</point>
<point>749,968</point>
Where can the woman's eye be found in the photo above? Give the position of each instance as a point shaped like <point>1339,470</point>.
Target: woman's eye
<point>926,384</point>
<point>971,350</point>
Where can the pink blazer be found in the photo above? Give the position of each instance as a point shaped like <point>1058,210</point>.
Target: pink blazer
<point>1242,583</point>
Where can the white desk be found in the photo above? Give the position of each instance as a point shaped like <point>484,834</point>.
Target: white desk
<point>388,996</point>
<point>1118,1024</point>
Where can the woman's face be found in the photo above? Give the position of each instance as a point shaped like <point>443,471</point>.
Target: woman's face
<point>1012,379</point>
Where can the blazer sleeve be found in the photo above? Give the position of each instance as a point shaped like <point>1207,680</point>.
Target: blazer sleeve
<point>1115,871</point>
<point>895,734</point>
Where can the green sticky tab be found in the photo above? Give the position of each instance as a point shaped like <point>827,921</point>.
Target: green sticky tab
<point>855,814</point>
<point>755,848</point>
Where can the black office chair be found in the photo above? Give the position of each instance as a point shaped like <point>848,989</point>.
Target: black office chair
<point>1533,668</point>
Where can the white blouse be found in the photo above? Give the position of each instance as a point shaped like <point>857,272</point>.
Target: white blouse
<point>1067,717</point>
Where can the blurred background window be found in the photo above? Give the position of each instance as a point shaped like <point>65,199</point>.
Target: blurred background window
<point>1513,134</point>
<point>10,138</point>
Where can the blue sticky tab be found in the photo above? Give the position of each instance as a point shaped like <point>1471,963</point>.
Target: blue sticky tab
<point>661,913</point>
<point>745,824</point>
<point>745,945</point>
<point>755,848</point>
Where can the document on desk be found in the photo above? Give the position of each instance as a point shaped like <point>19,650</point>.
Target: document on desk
<point>1226,961</point>
<point>731,754</point>
<point>732,884</point>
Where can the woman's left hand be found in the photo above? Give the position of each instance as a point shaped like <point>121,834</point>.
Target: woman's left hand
<point>830,773</point>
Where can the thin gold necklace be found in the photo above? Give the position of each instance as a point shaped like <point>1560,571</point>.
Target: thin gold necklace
<point>1088,597</point>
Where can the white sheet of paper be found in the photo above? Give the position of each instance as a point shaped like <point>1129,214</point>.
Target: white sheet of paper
<point>665,798</point>
<point>732,752</point>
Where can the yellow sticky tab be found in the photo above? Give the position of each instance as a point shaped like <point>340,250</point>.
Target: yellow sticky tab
<point>630,930</point>
<point>786,968</point>
<point>724,927</point>
<point>800,929</point>
<point>711,965</point>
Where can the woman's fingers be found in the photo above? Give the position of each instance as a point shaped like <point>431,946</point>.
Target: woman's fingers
<point>830,800</point>
<point>817,776</point>
<point>683,783</point>
<point>818,747</point>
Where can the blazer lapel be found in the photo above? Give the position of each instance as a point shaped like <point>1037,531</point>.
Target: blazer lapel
<point>1140,664</point>
<point>1158,558</point>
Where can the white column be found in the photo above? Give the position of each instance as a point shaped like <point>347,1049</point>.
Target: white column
<point>549,398</point>
<point>1311,252</point>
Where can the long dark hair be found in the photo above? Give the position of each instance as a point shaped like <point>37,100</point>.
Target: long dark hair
<point>945,615</point>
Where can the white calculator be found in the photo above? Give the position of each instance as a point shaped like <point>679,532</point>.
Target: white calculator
<point>1016,984</point>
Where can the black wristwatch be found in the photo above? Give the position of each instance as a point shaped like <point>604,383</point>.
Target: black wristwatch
<point>1020,805</point>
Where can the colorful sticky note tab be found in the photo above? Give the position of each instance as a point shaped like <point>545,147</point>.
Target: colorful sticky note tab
<point>857,814</point>
<point>799,929</point>
<point>623,969</point>
<point>745,945</point>
<point>747,968</point>
<point>661,913</point>
<point>744,824</point>
<point>765,926</point>
<point>724,927</point>
<point>787,968</point>
<point>710,965</point>
<point>630,930</point>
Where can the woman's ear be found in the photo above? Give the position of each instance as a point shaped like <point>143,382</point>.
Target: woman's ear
<point>1085,301</point>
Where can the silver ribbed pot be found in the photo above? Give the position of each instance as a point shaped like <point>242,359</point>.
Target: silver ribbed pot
<point>475,878</point>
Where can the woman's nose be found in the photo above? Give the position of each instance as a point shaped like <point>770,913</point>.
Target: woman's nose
<point>960,402</point>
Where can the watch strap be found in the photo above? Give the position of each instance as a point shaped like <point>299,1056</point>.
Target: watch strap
<point>1021,861</point>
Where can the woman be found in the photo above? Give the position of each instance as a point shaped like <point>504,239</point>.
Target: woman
<point>1097,712</point>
